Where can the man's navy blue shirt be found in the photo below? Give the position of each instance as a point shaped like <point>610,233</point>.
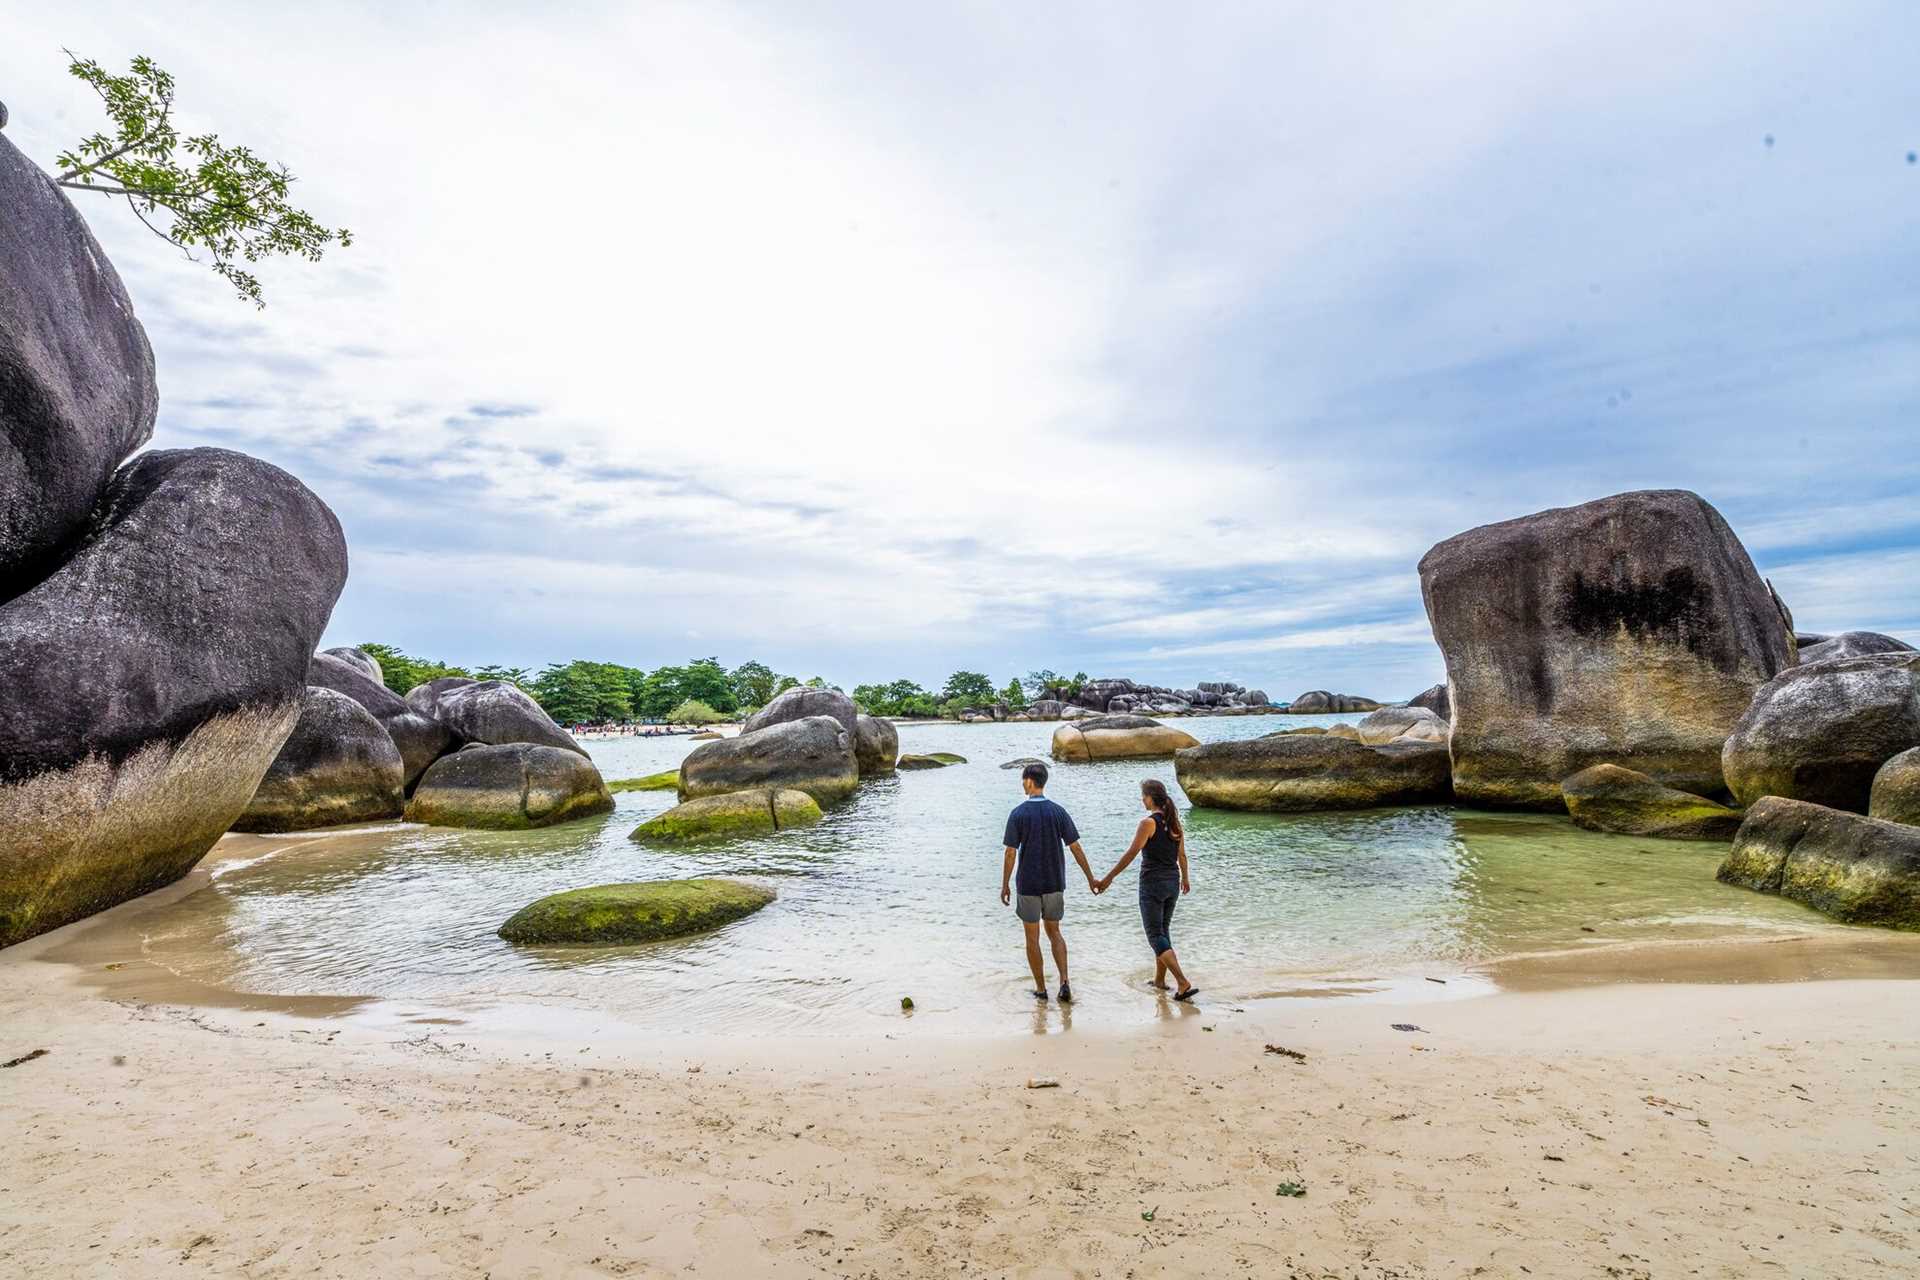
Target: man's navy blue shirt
<point>1040,830</point>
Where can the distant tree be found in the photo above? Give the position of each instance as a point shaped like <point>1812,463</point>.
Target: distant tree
<point>402,672</point>
<point>510,675</point>
<point>693,711</point>
<point>1014,696</point>
<point>583,692</point>
<point>896,698</point>
<point>225,200</point>
<point>969,689</point>
<point>1048,684</point>
<point>783,684</point>
<point>752,684</point>
<point>703,680</point>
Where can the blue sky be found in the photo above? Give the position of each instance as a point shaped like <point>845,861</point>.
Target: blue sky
<point>873,342</point>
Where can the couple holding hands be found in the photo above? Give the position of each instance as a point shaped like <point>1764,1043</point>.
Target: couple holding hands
<point>1038,834</point>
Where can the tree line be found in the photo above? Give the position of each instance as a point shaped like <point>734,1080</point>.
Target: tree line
<point>703,690</point>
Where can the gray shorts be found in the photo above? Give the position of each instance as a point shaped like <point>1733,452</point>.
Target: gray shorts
<point>1032,908</point>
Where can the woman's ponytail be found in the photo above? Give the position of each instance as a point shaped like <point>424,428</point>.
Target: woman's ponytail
<point>1156,793</point>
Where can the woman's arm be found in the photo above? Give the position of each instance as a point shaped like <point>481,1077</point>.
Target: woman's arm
<point>1186,886</point>
<point>1140,834</point>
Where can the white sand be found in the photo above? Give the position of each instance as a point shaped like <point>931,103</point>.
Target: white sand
<point>1625,1131</point>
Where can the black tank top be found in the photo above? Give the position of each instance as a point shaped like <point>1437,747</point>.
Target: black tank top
<point>1161,852</point>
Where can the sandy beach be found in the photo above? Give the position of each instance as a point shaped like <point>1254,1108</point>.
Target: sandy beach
<point>1579,1126</point>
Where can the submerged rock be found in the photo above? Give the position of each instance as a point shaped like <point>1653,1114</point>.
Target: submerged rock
<point>1820,732</point>
<point>153,677</point>
<point>814,755</point>
<point>800,703</point>
<point>1300,774</point>
<point>1857,869</point>
<point>493,712</point>
<point>1321,702</point>
<point>1631,630</point>
<point>1896,789</point>
<point>337,766</point>
<point>1022,762</point>
<point>932,760</point>
<point>77,391</point>
<point>876,745</point>
<point>420,738</point>
<point>668,780</point>
<point>1118,738</point>
<point>738,813</point>
<point>1850,644</point>
<point>611,914</point>
<point>1606,797</point>
<point>1390,723</point>
<point>509,787</point>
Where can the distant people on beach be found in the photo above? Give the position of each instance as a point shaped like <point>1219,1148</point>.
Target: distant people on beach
<point>1038,833</point>
<point>1037,836</point>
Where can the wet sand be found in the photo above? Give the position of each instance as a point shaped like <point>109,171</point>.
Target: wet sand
<point>1572,1126</point>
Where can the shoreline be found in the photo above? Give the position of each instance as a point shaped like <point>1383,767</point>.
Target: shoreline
<point>1651,1130</point>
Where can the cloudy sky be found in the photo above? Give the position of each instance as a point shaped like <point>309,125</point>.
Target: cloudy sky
<point>874,341</point>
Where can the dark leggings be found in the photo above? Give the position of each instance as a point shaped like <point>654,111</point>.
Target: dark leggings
<point>1159,894</point>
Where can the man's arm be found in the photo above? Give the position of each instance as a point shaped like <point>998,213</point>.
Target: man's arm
<point>1006,877</point>
<point>1080,856</point>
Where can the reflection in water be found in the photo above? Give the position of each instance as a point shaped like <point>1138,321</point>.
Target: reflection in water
<point>896,894</point>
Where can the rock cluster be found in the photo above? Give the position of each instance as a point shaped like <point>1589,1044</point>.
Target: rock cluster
<point>1110,695</point>
<point>808,740</point>
<point>1855,868</point>
<point>1319,702</point>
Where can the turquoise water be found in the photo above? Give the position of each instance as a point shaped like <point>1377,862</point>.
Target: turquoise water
<point>896,894</point>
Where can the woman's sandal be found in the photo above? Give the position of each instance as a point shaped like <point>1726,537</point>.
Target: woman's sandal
<point>1188,994</point>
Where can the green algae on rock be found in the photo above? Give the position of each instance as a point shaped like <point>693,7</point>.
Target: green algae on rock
<point>611,914</point>
<point>1857,869</point>
<point>738,813</point>
<point>1607,797</point>
<point>932,760</point>
<point>667,781</point>
<point>510,787</point>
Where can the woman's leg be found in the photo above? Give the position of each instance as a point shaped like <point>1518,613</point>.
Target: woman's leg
<point>1152,910</point>
<point>1167,959</point>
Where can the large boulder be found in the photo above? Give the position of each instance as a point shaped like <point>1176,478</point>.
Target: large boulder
<point>493,712</point>
<point>152,679</point>
<point>1820,732</point>
<point>509,787</point>
<point>77,392</point>
<point>798,704</point>
<point>1896,789</point>
<point>1118,738</point>
<point>876,745</point>
<point>1850,644</point>
<point>368,665</point>
<point>420,738</point>
<point>615,914</point>
<point>1389,723</point>
<point>425,697</point>
<point>1045,709</point>
<point>814,755</point>
<point>337,766</point>
<point>1631,630</point>
<point>738,813</point>
<point>1605,797</point>
<point>1293,773</point>
<point>1435,700</point>
<point>1320,702</point>
<point>1857,869</point>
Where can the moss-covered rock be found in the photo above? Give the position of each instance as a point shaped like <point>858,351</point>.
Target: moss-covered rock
<point>1896,789</point>
<point>739,813</point>
<point>1607,797</point>
<point>1857,869</point>
<point>932,760</point>
<point>611,914</point>
<point>668,781</point>
<point>509,787</point>
<point>338,765</point>
<point>814,755</point>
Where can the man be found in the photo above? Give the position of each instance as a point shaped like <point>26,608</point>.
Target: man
<point>1036,830</point>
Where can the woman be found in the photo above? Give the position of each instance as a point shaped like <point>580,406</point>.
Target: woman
<point>1163,878</point>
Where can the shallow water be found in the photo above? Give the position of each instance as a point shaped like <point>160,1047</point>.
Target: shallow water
<point>897,894</point>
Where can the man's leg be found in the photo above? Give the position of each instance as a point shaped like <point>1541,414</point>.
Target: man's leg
<point>1033,955</point>
<point>1059,942</point>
